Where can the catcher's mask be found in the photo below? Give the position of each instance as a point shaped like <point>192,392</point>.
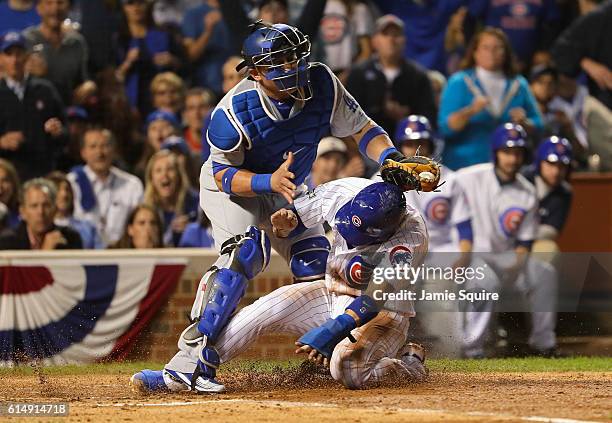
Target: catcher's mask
<point>282,51</point>
<point>372,216</point>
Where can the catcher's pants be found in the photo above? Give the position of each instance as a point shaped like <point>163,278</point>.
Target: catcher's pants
<point>295,309</point>
<point>537,284</point>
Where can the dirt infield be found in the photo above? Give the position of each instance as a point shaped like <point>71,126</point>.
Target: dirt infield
<point>307,395</point>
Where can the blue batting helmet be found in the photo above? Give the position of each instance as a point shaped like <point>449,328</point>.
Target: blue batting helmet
<point>372,216</point>
<point>555,150</point>
<point>508,135</point>
<point>283,51</point>
<point>418,128</point>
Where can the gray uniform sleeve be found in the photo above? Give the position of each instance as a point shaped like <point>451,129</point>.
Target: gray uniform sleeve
<point>348,117</point>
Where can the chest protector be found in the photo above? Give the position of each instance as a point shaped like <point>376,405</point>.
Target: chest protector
<point>271,140</point>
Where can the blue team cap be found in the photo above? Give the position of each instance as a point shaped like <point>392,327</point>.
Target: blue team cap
<point>12,39</point>
<point>162,115</point>
<point>175,143</point>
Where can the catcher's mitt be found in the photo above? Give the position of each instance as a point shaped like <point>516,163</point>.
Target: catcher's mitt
<point>417,172</point>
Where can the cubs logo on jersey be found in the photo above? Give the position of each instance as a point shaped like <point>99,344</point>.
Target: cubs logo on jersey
<point>437,210</point>
<point>358,273</point>
<point>399,255</point>
<point>510,220</point>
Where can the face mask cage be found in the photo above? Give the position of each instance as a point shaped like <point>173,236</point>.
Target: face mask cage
<point>288,65</point>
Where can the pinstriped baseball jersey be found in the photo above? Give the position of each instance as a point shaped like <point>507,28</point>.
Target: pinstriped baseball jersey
<point>442,210</point>
<point>501,213</point>
<point>345,272</point>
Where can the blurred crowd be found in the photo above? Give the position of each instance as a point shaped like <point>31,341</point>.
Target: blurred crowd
<point>104,103</point>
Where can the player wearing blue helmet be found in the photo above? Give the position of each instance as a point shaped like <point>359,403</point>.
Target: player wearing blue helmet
<point>505,220</point>
<point>552,165</point>
<point>263,138</point>
<point>414,133</point>
<point>372,227</point>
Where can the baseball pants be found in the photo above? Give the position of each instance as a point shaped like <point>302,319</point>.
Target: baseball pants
<point>295,309</point>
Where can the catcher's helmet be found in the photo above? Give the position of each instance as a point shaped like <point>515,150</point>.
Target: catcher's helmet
<point>283,51</point>
<point>508,135</point>
<point>555,150</point>
<point>416,127</point>
<point>372,216</point>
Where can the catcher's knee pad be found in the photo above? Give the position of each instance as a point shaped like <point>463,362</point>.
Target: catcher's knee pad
<point>309,258</point>
<point>249,253</point>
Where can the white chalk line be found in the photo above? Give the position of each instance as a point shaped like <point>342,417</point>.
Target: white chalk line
<point>540,419</point>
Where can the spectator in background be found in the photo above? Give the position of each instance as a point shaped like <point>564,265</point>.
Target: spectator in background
<point>64,207</point>
<point>31,129</point>
<point>168,14</point>
<point>587,45</point>
<point>332,156</point>
<point>77,120</point>
<point>590,119</point>
<point>486,93</point>
<point>111,109</point>
<point>99,21</point>
<point>199,103</point>
<point>304,14</point>
<point>425,27</point>
<point>438,83</point>
<point>144,51</point>
<point>168,91</point>
<point>345,33</point>
<point>549,174</point>
<point>63,50</point>
<point>187,160</point>
<point>544,83</point>
<point>159,126</point>
<point>167,189</point>
<point>231,77</point>
<point>9,192</point>
<point>17,15</point>
<point>273,11</point>
<point>206,42</point>
<point>143,229</point>
<point>103,194</point>
<point>37,230</point>
<point>198,234</point>
<point>389,87</point>
<point>529,25</point>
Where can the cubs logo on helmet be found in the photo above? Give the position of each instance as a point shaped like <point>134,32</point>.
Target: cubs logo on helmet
<point>511,219</point>
<point>358,273</point>
<point>399,255</point>
<point>437,210</point>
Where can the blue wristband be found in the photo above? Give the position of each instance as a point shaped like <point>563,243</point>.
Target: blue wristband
<point>226,179</point>
<point>261,183</point>
<point>218,167</point>
<point>386,153</point>
<point>369,136</point>
<point>465,230</point>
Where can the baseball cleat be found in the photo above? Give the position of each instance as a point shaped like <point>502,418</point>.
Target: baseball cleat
<point>147,381</point>
<point>202,385</point>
